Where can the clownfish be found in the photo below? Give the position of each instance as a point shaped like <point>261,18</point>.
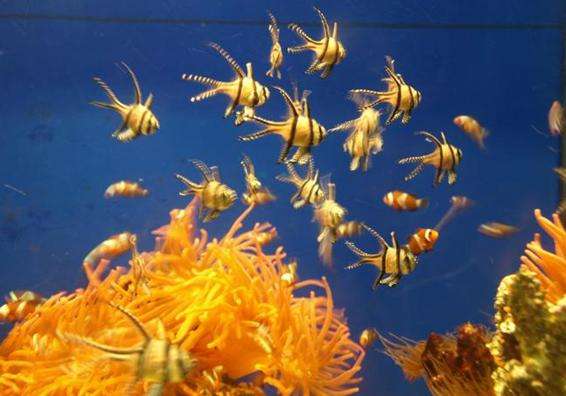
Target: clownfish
<point>156,360</point>
<point>126,189</point>
<point>328,51</point>
<point>394,260</point>
<point>423,240</point>
<point>138,118</point>
<point>445,158</point>
<point>401,97</point>
<point>289,274</point>
<point>112,247</point>
<point>402,201</point>
<point>19,305</point>
<point>276,53</point>
<point>368,337</point>
<point>215,197</point>
<point>473,128</point>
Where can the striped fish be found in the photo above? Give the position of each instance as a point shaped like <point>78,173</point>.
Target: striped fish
<point>255,193</point>
<point>19,305</point>
<point>276,53</point>
<point>138,118</point>
<point>299,129</point>
<point>309,190</point>
<point>401,97</point>
<point>244,90</point>
<point>394,260</point>
<point>473,128</point>
<point>497,230</point>
<point>402,201</point>
<point>328,51</point>
<point>368,337</point>
<point>156,360</point>
<point>215,197</point>
<point>445,158</point>
<point>423,240</point>
<point>112,247</point>
<point>126,189</point>
<point>329,215</point>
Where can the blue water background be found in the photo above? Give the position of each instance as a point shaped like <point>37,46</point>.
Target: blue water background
<point>57,148</point>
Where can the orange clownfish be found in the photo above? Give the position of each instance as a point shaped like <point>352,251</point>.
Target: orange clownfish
<point>423,240</point>
<point>473,128</point>
<point>403,201</point>
<point>368,337</point>
<point>126,189</point>
<point>112,247</point>
<point>19,305</point>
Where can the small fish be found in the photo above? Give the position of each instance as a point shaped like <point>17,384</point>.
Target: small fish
<point>423,240</point>
<point>19,305</point>
<point>401,97</point>
<point>556,118</point>
<point>266,237</point>
<point>244,90</point>
<point>215,197</point>
<point>255,193</point>
<point>445,158</point>
<point>329,215</point>
<point>138,119</point>
<point>497,230</point>
<point>328,51</point>
<point>300,129</point>
<point>309,190</point>
<point>138,265</point>
<point>365,136</point>
<point>473,128</point>
<point>156,360</point>
<point>112,247</point>
<point>457,204</point>
<point>394,260</point>
<point>126,189</point>
<point>349,229</point>
<point>276,53</point>
<point>402,201</point>
<point>368,337</point>
<point>289,275</point>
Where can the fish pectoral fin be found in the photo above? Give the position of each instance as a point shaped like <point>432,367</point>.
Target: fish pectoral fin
<point>392,280</point>
<point>211,215</point>
<point>149,101</point>
<point>124,135</point>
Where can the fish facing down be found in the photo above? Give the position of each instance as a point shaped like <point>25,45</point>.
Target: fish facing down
<point>473,128</point>
<point>244,90</point>
<point>445,158</point>
<point>401,97</point>
<point>328,51</point>
<point>402,201</point>
<point>138,119</point>
<point>215,197</point>
<point>276,53</point>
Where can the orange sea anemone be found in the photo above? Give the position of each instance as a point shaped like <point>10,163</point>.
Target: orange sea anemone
<point>549,267</point>
<point>224,301</point>
<point>452,365</point>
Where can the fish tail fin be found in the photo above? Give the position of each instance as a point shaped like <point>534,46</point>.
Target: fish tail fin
<point>297,49</point>
<point>192,187</point>
<point>422,203</point>
<point>205,95</point>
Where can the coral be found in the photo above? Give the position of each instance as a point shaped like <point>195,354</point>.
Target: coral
<point>529,345</point>
<point>224,301</point>
<point>451,365</point>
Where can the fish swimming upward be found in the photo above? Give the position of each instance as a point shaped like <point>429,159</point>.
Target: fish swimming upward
<point>276,53</point>
<point>309,190</point>
<point>402,201</point>
<point>445,158</point>
<point>394,260</point>
<point>299,129</point>
<point>365,134</point>
<point>255,193</point>
<point>244,90</point>
<point>401,97</point>
<point>156,360</point>
<point>473,128</point>
<point>328,51</point>
<point>19,305</point>
<point>138,118</point>
<point>215,197</point>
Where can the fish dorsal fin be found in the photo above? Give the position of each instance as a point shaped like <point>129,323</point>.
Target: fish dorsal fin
<point>390,63</point>
<point>376,235</point>
<point>443,136</point>
<point>324,22</point>
<point>273,29</point>
<point>137,90</point>
<point>134,320</point>
<point>394,240</point>
<point>215,173</point>
<point>149,101</point>
<point>250,70</point>
<point>431,138</point>
<point>335,31</point>
<point>288,101</point>
<point>325,184</point>
<point>331,191</point>
<point>248,165</point>
<point>228,59</point>
<point>204,169</point>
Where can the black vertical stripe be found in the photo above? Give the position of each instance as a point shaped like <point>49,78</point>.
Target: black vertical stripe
<point>236,101</point>
<point>255,99</point>
<point>139,128</point>
<point>293,134</point>
<point>453,157</point>
<point>311,132</point>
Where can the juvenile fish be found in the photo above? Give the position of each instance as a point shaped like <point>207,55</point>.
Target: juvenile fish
<point>473,128</point>
<point>215,197</point>
<point>556,118</point>
<point>328,51</point>
<point>402,201</point>
<point>394,260</point>
<point>400,96</point>
<point>445,158</point>
<point>276,53</point>
<point>368,337</point>
<point>110,248</point>
<point>126,189</point>
<point>309,190</point>
<point>255,193</point>
<point>19,305</point>
<point>497,230</point>
<point>138,119</point>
